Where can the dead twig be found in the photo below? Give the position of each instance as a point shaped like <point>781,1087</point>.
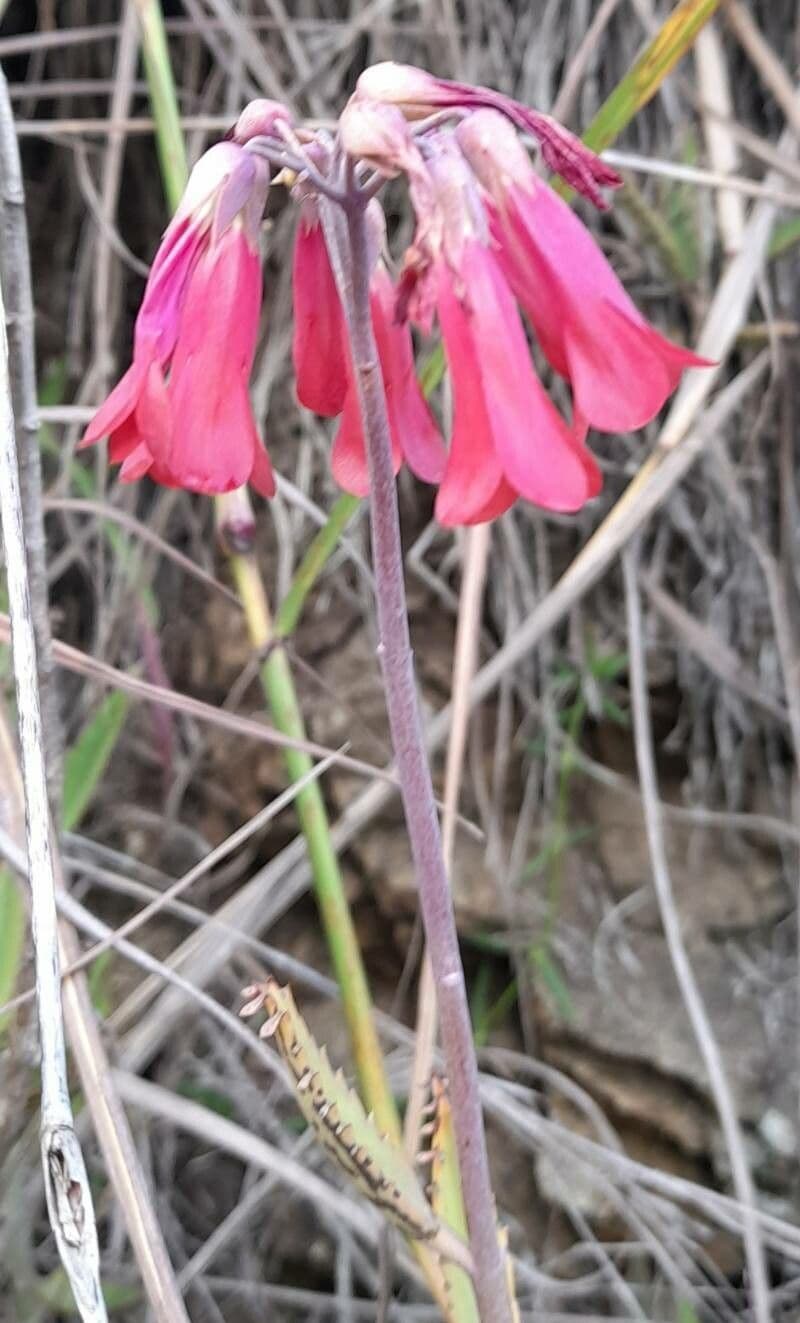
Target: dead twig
<point>690,991</point>
<point>69,1198</point>
<point>16,278</point>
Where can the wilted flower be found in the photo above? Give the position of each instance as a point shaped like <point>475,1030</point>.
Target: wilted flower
<point>419,94</point>
<point>182,412</point>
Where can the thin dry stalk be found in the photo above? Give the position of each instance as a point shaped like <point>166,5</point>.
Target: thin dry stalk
<point>16,280</point>
<point>69,1198</point>
<point>117,1143</point>
<point>690,991</point>
<point>561,108</point>
<point>723,152</point>
<point>764,59</point>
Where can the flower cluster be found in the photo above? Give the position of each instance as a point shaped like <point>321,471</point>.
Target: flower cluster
<point>492,242</point>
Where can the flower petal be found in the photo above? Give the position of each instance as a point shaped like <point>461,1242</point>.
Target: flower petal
<point>473,469</point>
<point>137,462</point>
<point>154,414</point>
<point>349,456</point>
<point>535,447</point>
<point>621,369</point>
<point>213,441</point>
<point>262,477</point>
<point>501,500</point>
<point>319,345</point>
<point>119,406</point>
<point>414,431</point>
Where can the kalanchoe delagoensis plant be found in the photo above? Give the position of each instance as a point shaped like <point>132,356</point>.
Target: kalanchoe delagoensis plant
<point>491,238</point>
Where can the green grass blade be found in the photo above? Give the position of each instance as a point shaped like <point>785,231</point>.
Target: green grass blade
<point>88,758</point>
<point>164,100</point>
<point>313,563</point>
<point>672,41</point>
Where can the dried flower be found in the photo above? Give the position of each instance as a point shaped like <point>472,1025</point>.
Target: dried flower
<point>419,94</point>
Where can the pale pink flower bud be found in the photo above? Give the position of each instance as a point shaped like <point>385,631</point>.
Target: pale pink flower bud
<point>260,119</point>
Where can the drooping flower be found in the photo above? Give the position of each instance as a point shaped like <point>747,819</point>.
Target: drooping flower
<point>620,368</point>
<point>418,94</point>
<point>508,439</point>
<point>182,413</point>
<point>319,341</point>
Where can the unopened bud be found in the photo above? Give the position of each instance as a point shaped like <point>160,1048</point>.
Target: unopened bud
<point>236,524</point>
<point>378,134</point>
<point>399,85</point>
<point>260,119</point>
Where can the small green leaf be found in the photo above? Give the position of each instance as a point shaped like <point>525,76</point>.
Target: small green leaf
<point>607,666</point>
<point>380,1169</point>
<point>615,713</point>
<point>88,758</point>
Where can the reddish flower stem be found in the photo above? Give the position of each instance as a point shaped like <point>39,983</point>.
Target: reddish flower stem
<point>397,663</point>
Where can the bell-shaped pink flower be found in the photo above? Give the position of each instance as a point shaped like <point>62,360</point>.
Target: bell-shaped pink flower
<point>181,412</point>
<point>414,434</point>
<point>620,368</point>
<point>418,94</point>
<point>508,439</point>
<point>319,342</point>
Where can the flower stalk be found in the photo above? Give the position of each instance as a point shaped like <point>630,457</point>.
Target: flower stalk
<point>415,779</point>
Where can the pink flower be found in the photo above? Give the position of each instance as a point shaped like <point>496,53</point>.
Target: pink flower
<point>182,412</point>
<point>419,94</point>
<point>508,439</point>
<point>620,368</point>
<point>415,437</point>
<point>319,343</point>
